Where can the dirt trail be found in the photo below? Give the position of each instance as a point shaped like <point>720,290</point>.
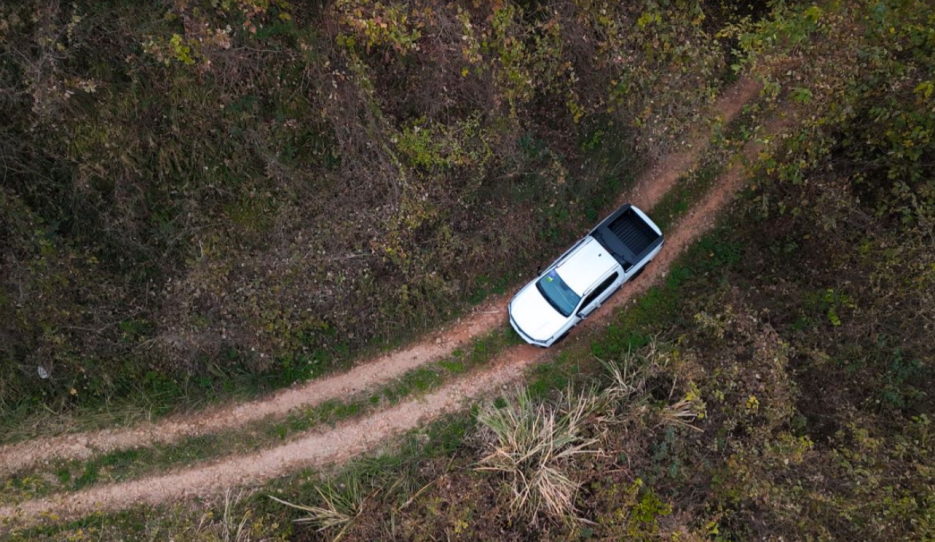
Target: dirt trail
<point>358,436</point>
<point>649,188</point>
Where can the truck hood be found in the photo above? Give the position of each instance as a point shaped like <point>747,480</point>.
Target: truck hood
<point>534,316</point>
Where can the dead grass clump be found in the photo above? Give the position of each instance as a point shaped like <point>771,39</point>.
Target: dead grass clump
<point>531,444</point>
<point>341,503</point>
<point>686,410</point>
<point>627,380</point>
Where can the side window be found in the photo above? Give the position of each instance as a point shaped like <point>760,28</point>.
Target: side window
<point>601,288</point>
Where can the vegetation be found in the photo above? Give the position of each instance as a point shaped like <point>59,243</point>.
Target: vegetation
<point>776,385</point>
<point>530,443</point>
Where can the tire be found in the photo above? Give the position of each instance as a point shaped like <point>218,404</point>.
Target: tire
<point>640,272</point>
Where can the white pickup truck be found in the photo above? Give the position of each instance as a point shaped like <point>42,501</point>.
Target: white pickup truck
<point>573,287</point>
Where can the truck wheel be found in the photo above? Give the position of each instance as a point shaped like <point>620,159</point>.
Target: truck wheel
<point>640,272</point>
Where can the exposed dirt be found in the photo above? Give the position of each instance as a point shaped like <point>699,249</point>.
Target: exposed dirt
<point>650,187</point>
<point>358,436</point>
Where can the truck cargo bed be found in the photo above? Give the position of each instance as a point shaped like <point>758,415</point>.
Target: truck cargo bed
<point>626,236</point>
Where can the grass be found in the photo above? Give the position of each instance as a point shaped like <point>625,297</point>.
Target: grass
<point>395,476</point>
<point>149,395</point>
<point>232,529</point>
<point>342,501</point>
<point>530,442</point>
<point>736,506</point>
<point>154,396</point>
<point>574,364</point>
<point>625,378</point>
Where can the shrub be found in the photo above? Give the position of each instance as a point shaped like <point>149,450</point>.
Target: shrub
<point>242,194</point>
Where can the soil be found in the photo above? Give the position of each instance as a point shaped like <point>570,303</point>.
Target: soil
<point>334,445</point>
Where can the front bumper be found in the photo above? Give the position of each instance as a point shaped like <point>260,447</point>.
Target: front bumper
<point>525,337</point>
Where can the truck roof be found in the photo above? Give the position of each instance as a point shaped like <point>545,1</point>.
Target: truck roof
<point>628,235</point>
<point>585,266</point>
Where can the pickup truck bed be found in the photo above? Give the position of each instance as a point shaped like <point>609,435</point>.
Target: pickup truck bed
<point>626,236</point>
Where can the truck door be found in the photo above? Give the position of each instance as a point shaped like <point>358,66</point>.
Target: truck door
<point>598,295</point>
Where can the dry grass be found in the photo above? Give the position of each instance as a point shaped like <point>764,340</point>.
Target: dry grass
<point>531,443</point>
<point>684,411</point>
<point>231,529</point>
<point>626,380</point>
<point>234,525</point>
<point>340,504</point>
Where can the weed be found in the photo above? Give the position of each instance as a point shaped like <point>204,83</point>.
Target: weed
<point>231,529</point>
<point>626,379</point>
<point>684,411</point>
<point>340,504</point>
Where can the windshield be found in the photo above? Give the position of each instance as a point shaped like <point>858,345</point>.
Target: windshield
<point>557,293</point>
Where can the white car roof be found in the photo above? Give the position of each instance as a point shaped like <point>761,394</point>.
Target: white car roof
<point>585,266</point>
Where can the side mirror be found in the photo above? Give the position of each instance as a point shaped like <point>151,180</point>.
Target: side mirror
<point>538,270</point>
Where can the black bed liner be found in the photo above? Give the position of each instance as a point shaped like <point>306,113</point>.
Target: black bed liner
<point>626,236</point>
